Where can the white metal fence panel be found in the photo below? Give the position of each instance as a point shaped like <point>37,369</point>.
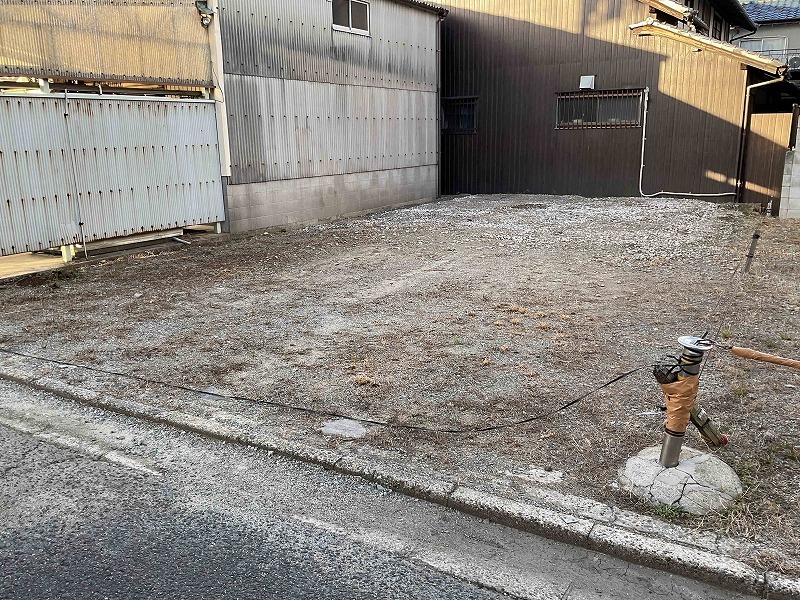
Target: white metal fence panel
<point>102,167</point>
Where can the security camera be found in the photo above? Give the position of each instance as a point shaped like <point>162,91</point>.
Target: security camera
<point>206,13</point>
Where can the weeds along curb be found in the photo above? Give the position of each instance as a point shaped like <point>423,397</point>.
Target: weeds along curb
<point>558,525</point>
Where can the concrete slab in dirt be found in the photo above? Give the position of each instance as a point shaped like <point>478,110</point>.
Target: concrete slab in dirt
<point>27,263</point>
<point>344,428</point>
<point>701,483</point>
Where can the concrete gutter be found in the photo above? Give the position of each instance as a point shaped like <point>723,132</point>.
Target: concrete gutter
<point>578,521</point>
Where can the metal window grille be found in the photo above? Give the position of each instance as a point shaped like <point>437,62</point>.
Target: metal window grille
<point>459,115</point>
<point>608,109</point>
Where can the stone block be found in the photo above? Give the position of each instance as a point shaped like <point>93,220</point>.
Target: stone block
<point>701,483</point>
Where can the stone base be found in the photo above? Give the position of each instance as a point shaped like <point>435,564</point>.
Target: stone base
<point>701,483</point>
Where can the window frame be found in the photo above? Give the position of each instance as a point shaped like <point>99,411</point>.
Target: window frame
<point>468,100</point>
<point>351,29</point>
<point>716,18</point>
<point>782,54</point>
<point>600,94</point>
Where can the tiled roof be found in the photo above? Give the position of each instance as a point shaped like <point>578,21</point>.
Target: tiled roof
<point>763,11</point>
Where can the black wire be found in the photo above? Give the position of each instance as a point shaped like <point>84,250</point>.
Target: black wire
<point>743,266</point>
<point>325,413</point>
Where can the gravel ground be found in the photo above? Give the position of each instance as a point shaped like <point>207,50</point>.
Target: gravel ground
<point>466,313</point>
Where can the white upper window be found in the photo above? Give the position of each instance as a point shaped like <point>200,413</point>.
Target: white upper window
<point>774,47</point>
<point>351,15</point>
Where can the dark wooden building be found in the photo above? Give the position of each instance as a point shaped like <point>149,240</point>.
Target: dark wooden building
<point>553,96</point>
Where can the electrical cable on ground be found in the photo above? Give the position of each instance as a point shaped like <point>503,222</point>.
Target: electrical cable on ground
<point>324,413</point>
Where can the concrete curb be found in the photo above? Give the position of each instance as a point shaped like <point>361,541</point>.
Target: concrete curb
<point>694,561</point>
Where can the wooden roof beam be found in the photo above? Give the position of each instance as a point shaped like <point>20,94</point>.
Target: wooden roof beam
<point>702,42</point>
<point>671,8</point>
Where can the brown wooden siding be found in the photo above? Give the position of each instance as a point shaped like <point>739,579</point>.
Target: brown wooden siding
<point>515,55</point>
<point>767,145</point>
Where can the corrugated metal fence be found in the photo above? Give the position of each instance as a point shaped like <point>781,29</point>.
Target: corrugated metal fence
<point>159,41</point>
<point>111,167</point>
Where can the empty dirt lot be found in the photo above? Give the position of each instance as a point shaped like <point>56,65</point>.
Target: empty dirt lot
<point>462,314</point>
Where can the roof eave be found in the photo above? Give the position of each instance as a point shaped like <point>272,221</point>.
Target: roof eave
<point>671,8</point>
<point>778,21</point>
<point>751,59</point>
<point>439,10</point>
<point>743,20</point>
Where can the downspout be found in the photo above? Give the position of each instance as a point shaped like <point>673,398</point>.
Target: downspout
<point>439,106</point>
<point>220,108</point>
<point>218,92</point>
<point>745,131</point>
<point>75,176</point>
<point>641,165</point>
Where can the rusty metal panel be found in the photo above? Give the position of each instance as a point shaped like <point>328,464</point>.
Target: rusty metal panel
<point>289,129</point>
<point>295,40</point>
<point>515,56</point>
<point>154,41</point>
<point>112,167</point>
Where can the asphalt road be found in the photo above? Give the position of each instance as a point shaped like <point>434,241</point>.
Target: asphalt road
<point>94,505</point>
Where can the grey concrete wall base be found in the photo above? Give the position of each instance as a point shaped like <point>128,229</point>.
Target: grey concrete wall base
<point>293,202</point>
<point>577,521</point>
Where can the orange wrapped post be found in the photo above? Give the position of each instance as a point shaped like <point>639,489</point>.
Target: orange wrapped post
<point>679,398</point>
<point>680,382</point>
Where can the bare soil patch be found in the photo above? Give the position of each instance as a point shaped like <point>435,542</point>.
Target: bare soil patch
<point>465,313</point>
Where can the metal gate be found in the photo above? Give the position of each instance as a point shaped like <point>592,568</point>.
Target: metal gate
<point>82,167</point>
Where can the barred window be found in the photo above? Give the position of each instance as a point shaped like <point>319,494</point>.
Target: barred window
<point>593,109</point>
<point>459,115</point>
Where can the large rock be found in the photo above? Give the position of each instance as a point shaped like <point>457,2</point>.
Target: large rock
<point>701,483</point>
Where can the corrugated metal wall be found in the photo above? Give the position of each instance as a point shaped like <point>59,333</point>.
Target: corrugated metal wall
<point>120,166</point>
<point>294,40</point>
<point>288,129</point>
<point>515,55</point>
<point>305,100</point>
<point>107,40</point>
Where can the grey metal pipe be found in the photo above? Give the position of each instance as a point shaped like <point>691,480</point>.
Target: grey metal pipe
<point>641,164</point>
<point>740,181</point>
<point>75,176</point>
<point>671,446</point>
